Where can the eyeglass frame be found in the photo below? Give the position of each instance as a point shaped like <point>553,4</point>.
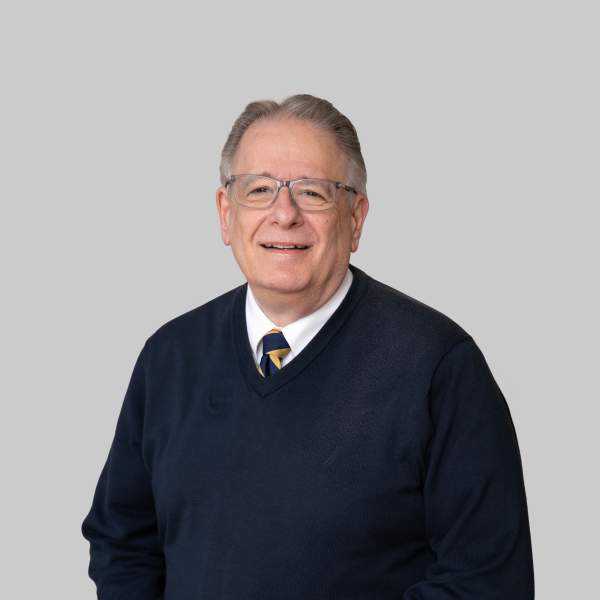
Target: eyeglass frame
<point>289,183</point>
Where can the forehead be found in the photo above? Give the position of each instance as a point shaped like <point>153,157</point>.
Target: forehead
<point>287,149</point>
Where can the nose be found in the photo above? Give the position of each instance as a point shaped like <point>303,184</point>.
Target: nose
<point>285,211</point>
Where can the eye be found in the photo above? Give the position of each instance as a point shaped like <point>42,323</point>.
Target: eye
<point>312,194</point>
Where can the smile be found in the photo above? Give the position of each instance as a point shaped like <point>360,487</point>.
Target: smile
<point>285,247</point>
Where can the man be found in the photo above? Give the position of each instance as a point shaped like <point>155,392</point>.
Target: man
<point>312,433</point>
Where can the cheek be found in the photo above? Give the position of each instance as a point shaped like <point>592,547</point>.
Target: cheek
<point>243,231</point>
<point>328,230</point>
<point>338,232</point>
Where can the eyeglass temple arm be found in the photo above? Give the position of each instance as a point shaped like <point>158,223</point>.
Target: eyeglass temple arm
<point>348,188</point>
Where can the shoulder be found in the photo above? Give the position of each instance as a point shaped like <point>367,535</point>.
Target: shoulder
<point>410,325</point>
<point>403,310</point>
<point>201,325</point>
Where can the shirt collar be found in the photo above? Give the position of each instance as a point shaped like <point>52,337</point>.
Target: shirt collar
<point>298,333</point>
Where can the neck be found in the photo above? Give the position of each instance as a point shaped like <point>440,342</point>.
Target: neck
<point>284,308</point>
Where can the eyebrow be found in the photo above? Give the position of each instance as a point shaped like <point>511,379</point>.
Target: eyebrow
<point>267,174</point>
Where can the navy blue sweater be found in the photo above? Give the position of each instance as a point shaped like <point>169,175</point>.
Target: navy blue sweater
<point>381,463</point>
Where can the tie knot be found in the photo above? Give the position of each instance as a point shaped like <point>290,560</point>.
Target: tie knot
<point>275,347</point>
<point>274,340</point>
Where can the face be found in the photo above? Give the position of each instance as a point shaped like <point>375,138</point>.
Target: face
<point>291,149</point>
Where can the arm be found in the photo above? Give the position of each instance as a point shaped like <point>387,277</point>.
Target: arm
<point>126,559</point>
<point>475,504</point>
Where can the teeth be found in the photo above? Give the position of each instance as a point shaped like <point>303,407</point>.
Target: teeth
<point>283,247</point>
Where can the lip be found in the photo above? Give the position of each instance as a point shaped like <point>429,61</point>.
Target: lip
<point>285,243</point>
<point>285,251</point>
<point>280,243</point>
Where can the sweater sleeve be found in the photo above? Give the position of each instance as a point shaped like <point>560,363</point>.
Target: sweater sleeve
<point>475,505</point>
<point>126,558</point>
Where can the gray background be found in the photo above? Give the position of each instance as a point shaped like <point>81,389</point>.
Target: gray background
<point>479,123</point>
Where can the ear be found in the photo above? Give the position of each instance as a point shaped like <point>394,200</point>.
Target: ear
<point>359,211</point>
<point>224,209</point>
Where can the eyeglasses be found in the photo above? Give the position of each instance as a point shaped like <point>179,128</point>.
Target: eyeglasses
<point>260,191</point>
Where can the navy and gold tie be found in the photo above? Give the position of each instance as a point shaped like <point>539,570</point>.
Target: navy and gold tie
<point>275,348</point>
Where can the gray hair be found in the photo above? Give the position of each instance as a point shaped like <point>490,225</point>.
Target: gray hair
<point>316,111</point>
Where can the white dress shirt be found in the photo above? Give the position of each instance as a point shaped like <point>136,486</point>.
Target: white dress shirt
<point>298,333</point>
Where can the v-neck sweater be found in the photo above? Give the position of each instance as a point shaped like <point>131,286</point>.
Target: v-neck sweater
<point>382,462</point>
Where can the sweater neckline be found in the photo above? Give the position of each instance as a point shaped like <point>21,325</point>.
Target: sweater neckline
<point>264,386</point>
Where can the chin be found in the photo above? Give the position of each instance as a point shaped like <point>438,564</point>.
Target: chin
<point>283,282</point>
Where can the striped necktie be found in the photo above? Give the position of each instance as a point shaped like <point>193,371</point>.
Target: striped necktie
<point>275,348</point>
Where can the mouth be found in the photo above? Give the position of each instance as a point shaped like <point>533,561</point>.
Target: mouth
<point>283,248</point>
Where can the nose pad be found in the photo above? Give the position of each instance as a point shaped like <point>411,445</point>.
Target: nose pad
<point>284,210</point>
<point>284,189</point>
